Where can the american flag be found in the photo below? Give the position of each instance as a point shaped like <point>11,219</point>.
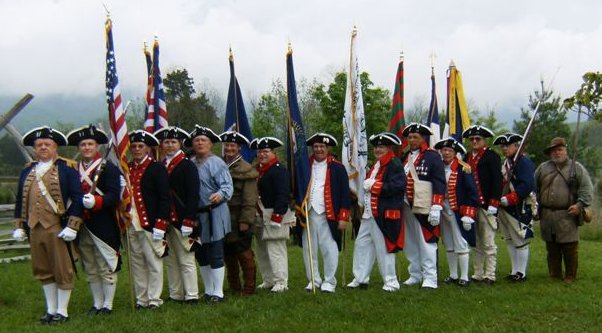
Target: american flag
<point>157,108</point>
<point>119,131</point>
<point>149,119</point>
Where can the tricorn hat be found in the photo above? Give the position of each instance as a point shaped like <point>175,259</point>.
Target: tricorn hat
<point>556,142</point>
<point>416,128</point>
<point>44,132</point>
<point>450,143</point>
<point>87,132</point>
<point>200,130</point>
<point>324,138</point>
<point>145,137</point>
<point>171,132</point>
<point>384,139</point>
<point>477,130</point>
<point>234,137</point>
<point>507,139</point>
<point>265,142</point>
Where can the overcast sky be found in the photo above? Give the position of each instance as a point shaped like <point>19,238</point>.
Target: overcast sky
<point>502,48</point>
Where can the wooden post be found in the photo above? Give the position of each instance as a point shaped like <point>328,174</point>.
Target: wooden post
<point>8,116</point>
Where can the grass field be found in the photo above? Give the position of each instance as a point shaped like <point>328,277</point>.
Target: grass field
<point>539,305</point>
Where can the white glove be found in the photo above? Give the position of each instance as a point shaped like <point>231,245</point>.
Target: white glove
<point>435,215</point>
<point>504,201</point>
<point>89,201</point>
<point>19,235</point>
<point>68,234</point>
<point>158,234</point>
<point>186,231</point>
<point>122,181</point>
<point>467,222</point>
<point>491,210</point>
<point>368,184</point>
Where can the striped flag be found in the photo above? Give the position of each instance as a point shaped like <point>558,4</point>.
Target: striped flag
<point>457,110</point>
<point>157,108</point>
<point>119,131</point>
<point>236,116</point>
<point>398,122</point>
<point>296,152</point>
<point>433,116</point>
<point>355,142</point>
<point>149,118</point>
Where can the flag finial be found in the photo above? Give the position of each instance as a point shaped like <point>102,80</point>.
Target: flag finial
<point>401,56</point>
<point>354,32</point>
<point>107,11</point>
<point>452,63</point>
<point>290,47</point>
<point>230,54</point>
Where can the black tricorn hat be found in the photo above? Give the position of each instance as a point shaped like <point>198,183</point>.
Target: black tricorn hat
<point>234,137</point>
<point>416,128</point>
<point>44,132</point>
<point>265,142</point>
<point>508,138</point>
<point>450,143</point>
<point>171,132</point>
<point>87,132</point>
<point>200,130</point>
<point>477,130</point>
<point>144,137</point>
<point>384,139</point>
<point>324,138</point>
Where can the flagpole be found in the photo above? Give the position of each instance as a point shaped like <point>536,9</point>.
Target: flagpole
<point>234,80</point>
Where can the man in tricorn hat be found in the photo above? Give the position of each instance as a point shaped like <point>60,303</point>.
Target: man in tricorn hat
<point>99,237</point>
<point>275,216</point>
<point>459,211</point>
<point>215,190</point>
<point>559,209</point>
<point>43,213</point>
<point>485,166</point>
<point>150,214</point>
<point>238,252</point>
<point>515,215</point>
<point>329,201</point>
<point>381,230</point>
<point>183,226</point>
<point>422,227</point>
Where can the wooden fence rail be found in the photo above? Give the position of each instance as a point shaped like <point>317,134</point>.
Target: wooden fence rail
<point>10,249</point>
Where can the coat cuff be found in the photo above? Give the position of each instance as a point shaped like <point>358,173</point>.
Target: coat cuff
<point>188,223</point>
<point>494,202</point>
<point>98,203</point>
<point>468,211</point>
<point>19,223</point>
<point>161,224</point>
<point>276,218</point>
<point>74,222</point>
<point>513,199</point>
<point>344,214</point>
<point>438,199</point>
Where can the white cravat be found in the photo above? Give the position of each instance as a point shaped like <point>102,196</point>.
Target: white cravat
<point>43,167</point>
<point>413,156</point>
<point>448,171</point>
<point>318,174</point>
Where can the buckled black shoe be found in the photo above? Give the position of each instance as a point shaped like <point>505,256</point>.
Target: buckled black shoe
<point>58,319</point>
<point>93,311</point>
<point>153,307</point>
<point>46,319</point>
<point>519,277</point>
<point>488,281</point>
<point>215,299</point>
<point>511,277</point>
<point>206,298</point>
<point>194,301</point>
<point>463,283</point>
<point>141,307</point>
<point>104,312</point>
<point>450,280</point>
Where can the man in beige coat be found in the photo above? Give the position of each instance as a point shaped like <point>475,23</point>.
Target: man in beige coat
<point>559,209</point>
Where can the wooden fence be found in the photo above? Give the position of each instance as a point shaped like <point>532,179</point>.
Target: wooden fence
<point>10,249</point>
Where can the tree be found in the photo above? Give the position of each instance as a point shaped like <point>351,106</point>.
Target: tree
<point>185,106</point>
<point>269,113</point>
<point>550,123</point>
<point>589,96</point>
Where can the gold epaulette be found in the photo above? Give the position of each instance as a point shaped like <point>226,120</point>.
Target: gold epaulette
<point>465,166</point>
<point>70,163</point>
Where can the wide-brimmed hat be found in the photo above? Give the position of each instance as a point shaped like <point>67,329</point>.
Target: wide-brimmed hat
<point>556,142</point>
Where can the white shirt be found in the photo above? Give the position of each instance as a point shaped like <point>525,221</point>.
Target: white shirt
<point>43,167</point>
<point>368,195</point>
<point>318,174</point>
<point>413,156</point>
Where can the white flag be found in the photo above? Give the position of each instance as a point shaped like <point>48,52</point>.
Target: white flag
<point>355,142</point>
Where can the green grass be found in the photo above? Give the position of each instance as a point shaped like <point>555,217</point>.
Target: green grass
<point>539,305</point>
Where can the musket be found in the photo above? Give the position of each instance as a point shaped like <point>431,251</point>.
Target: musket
<point>101,168</point>
<point>573,183</point>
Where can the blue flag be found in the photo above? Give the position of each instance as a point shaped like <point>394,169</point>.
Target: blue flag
<point>296,152</point>
<point>433,117</point>
<point>236,116</point>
